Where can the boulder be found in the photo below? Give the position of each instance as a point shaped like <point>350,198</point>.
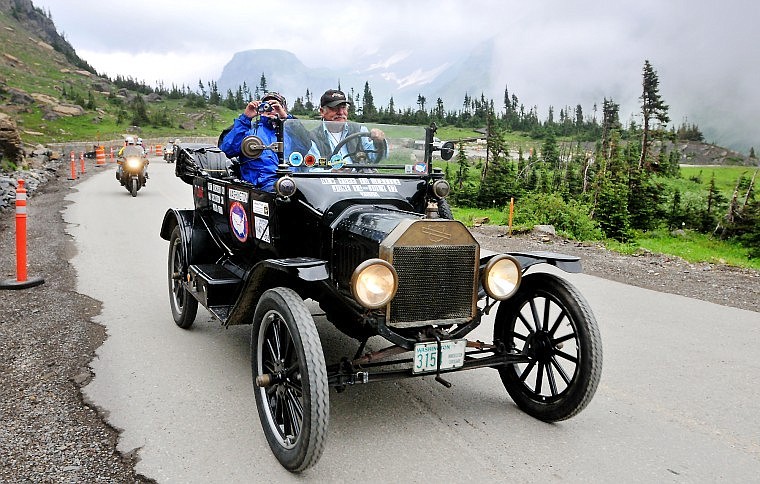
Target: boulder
<point>19,97</point>
<point>68,109</point>
<point>10,142</point>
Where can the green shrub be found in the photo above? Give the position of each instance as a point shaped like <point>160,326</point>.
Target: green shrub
<point>570,219</point>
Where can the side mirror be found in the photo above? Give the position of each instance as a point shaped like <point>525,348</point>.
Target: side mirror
<point>447,150</point>
<point>252,146</point>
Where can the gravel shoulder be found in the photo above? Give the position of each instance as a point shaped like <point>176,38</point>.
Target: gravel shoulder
<point>47,338</point>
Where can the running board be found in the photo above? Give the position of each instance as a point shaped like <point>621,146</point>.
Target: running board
<point>214,287</point>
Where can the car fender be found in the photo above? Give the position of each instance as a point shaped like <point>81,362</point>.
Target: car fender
<point>197,241</point>
<point>269,273</point>
<point>567,263</point>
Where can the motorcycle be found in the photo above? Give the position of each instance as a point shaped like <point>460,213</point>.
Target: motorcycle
<point>132,171</point>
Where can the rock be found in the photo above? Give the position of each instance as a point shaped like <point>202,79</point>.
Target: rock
<point>44,99</point>
<point>478,221</point>
<point>188,125</point>
<point>51,116</point>
<point>10,141</point>
<point>545,229</point>
<point>68,109</point>
<point>13,60</point>
<point>19,97</point>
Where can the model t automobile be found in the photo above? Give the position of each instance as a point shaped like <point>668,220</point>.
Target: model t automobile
<point>370,238</point>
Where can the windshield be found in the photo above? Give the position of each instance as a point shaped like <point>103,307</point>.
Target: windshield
<point>313,146</point>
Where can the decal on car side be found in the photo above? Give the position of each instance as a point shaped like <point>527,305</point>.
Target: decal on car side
<point>239,221</point>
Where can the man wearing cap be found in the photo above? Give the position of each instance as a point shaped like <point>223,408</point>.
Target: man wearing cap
<point>335,126</point>
<point>261,171</point>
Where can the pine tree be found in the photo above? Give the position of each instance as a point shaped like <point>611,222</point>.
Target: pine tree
<point>262,87</point>
<point>368,104</point>
<point>654,111</point>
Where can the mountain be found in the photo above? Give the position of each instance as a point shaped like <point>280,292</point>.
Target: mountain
<point>398,74</point>
<point>35,20</point>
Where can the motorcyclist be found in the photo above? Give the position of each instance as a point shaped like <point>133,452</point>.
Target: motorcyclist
<point>130,148</point>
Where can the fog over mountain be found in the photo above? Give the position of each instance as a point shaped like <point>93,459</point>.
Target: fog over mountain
<point>401,74</point>
<point>406,74</point>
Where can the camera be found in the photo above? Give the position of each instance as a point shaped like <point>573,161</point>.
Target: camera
<point>265,107</point>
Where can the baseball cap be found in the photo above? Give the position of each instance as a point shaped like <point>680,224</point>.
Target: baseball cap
<point>332,98</point>
<point>277,97</point>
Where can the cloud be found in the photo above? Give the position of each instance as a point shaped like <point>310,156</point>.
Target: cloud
<point>552,53</point>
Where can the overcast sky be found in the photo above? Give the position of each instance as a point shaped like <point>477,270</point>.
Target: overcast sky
<point>554,52</point>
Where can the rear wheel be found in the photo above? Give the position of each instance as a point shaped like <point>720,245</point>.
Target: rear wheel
<point>290,379</point>
<point>550,322</point>
<point>184,305</point>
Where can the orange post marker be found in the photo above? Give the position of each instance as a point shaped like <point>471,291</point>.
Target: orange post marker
<point>73,175</point>
<point>100,156</point>
<point>511,213</point>
<point>22,281</point>
<point>111,154</point>
<point>81,161</point>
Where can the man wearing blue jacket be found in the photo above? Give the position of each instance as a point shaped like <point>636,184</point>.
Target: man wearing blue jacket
<point>261,171</point>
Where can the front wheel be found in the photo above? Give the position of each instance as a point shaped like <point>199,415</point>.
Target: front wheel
<point>444,210</point>
<point>184,305</point>
<point>290,379</point>
<point>133,187</point>
<point>551,323</point>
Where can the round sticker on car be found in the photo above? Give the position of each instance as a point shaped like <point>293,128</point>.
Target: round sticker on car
<point>295,158</point>
<point>239,221</point>
<point>336,161</point>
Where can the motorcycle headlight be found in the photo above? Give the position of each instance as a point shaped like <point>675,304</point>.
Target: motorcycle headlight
<point>501,277</point>
<point>134,163</point>
<point>374,283</point>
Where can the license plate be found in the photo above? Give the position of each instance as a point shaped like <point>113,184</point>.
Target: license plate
<point>426,355</point>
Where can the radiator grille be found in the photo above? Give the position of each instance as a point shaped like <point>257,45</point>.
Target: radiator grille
<point>435,283</point>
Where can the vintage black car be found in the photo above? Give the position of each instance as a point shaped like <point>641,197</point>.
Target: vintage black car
<point>370,237</point>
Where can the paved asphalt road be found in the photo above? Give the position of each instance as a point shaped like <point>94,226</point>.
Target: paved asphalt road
<point>678,401</point>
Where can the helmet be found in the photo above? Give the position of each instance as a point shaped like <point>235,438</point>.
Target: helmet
<point>139,141</point>
<point>130,140</point>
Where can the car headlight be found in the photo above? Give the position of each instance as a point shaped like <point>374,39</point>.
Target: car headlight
<point>441,188</point>
<point>501,277</point>
<point>374,283</point>
<point>134,163</point>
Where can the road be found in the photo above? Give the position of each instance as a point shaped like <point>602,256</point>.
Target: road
<point>678,399</point>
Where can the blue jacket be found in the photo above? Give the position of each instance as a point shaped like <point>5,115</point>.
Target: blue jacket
<point>261,172</point>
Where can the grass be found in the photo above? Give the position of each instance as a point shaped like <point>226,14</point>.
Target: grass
<point>725,176</point>
<point>691,246</point>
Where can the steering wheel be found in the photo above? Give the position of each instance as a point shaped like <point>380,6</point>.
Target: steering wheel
<point>359,155</point>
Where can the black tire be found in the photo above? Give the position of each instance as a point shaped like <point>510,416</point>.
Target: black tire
<point>184,305</point>
<point>444,210</point>
<point>558,332</point>
<point>133,187</point>
<point>295,409</point>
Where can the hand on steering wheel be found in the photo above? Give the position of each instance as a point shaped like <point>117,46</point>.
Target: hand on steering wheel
<point>359,155</point>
